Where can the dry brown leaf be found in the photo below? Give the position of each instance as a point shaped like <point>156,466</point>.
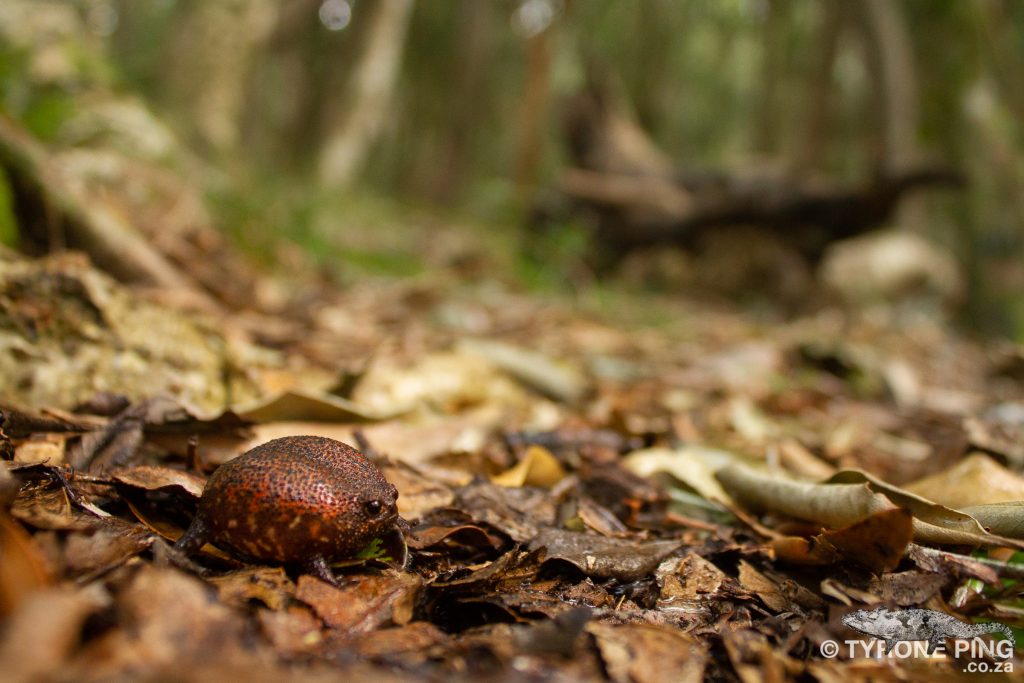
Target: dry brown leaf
<point>269,585</point>
<point>840,503</point>
<point>362,604</point>
<point>877,542</point>
<point>693,465</point>
<point>975,480</point>
<point>557,380</point>
<point>297,406</point>
<point>1003,519</point>
<point>538,467</point>
<point>23,568</point>
<point>834,505</point>
<point>767,590</point>
<point>42,632</point>
<point>932,523</point>
<point>41,448</point>
<point>640,653</point>
<point>599,556</point>
<point>109,545</point>
<point>155,477</point>
<point>688,583</point>
<point>292,631</point>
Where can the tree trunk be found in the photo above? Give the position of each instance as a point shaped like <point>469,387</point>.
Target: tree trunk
<point>813,141</point>
<point>368,95</point>
<point>891,59</point>
<point>211,50</point>
<point>773,47</point>
<point>475,45</point>
<point>533,112</point>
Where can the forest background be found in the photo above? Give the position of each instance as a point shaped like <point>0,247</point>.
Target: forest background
<point>369,133</point>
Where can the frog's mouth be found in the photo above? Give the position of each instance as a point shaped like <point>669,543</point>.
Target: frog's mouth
<point>398,522</point>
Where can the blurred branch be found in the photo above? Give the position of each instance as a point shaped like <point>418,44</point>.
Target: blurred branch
<point>115,245</point>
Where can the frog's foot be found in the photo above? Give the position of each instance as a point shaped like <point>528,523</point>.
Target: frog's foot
<point>194,538</point>
<point>318,567</point>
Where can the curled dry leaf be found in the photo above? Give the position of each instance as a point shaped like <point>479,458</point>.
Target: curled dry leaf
<point>693,465</point>
<point>840,503</point>
<point>155,478</point>
<point>109,545</point>
<point>292,406</point>
<point>932,522</point>
<point>41,448</point>
<point>688,583</point>
<point>975,480</point>
<point>1003,519</point>
<point>23,568</point>
<point>602,557</point>
<point>877,542</point>
<point>640,653</point>
<point>44,630</point>
<point>363,604</point>
<point>269,585</point>
<point>833,505</point>
<point>538,467</point>
<point>557,380</point>
<point>460,534</point>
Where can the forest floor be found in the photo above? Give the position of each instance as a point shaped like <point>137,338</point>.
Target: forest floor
<point>651,489</point>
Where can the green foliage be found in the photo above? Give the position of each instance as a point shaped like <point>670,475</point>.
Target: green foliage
<point>374,551</point>
<point>47,112</point>
<point>8,221</point>
<point>554,254</point>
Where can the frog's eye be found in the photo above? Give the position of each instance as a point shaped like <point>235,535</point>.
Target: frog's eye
<point>373,507</point>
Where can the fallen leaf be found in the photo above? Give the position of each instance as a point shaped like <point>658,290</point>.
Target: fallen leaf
<point>41,448</point>
<point>23,567</point>
<point>693,465</point>
<point>269,585</point>
<point>834,505</point>
<point>877,542</point>
<point>839,503</point>
<point>639,653</point>
<point>975,480</point>
<point>293,631</point>
<point>107,546</point>
<point>602,557</point>
<point>556,380</point>
<point>155,478</point>
<point>538,467</point>
<point>687,583</point>
<point>292,406</point>
<point>45,628</point>
<point>1003,519</point>
<point>363,604</point>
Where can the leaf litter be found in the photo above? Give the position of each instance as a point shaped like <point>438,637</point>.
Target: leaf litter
<point>588,496</point>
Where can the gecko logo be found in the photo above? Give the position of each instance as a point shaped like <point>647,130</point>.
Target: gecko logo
<point>922,632</point>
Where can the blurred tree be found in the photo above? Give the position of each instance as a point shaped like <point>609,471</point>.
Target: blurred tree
<point>534,18</point>
<point>208,57</point>
<point>819,89</point>
<point>890,57</point>
<point>474,46</point>
<point>368,95</point>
